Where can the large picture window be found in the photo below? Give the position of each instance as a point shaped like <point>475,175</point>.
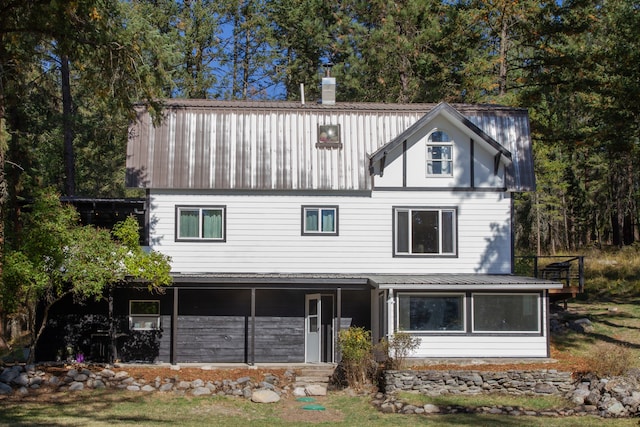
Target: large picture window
<point>320,220</point>
<point>144,315</point>
<point>431,312</point>
<point>439,154</point>
<point>506,313</point>
<point>200,223</point>
<point>421,231</point>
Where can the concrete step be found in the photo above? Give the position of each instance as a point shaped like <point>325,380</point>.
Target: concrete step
<point>317,372</point>
<point>312,379</point>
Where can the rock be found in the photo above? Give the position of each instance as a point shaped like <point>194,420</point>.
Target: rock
<point>299,392</point>
<point>107,373</point>
<point>133,388</point>
<point>21,380</point>
<point>579,396</point>
<point>23,391</point>
<point>243,380</point>
<point>121,376</point>
<point>8,375</point>
<point>544,388</point>
<point>265,396</point>
<point>76,386</point>
<point>197,383</point>
<point>54,381</point>
<point>431,409</point>
<point>81,377</point>
<point>148,388</point>
<point>265,384</point>
<point>166,387</point>
<point>316,390</point>
<point>201,391</point>
<point>99,384</point>
<point>5,389</point>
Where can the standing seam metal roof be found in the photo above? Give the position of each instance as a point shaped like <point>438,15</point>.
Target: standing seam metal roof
<point>268,145</point>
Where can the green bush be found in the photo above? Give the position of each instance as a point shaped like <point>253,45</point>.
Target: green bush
<point>357,357</point>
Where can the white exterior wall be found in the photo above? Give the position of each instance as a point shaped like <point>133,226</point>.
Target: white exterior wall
<point>464,345</point>
<point>263,234</point>
<point>416,156</point>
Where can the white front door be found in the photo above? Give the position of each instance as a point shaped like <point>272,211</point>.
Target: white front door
<point>313,322</point>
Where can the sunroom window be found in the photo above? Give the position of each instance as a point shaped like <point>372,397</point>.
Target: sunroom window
<point>200,223</point>
<point>439,154</point>
<point>425,231</point>
<point>431,312</point>
<point>320,220</point>
<point>506,313</point>
<point>144,315</point>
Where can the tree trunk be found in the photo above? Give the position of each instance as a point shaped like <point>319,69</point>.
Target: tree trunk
<point>67,124</point>
<point>40,329</point>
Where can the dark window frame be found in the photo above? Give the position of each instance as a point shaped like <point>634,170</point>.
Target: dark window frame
<point>319,232</point>
<point>399,222</point>
<point>200,208</point>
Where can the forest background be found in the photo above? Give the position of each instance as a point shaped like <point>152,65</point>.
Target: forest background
<point>70,71</point>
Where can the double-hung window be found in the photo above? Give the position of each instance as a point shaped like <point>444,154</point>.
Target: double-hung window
<point>322,220</point>
<point>200,223</point>
<point>439,154</point>
<point>144,315</point>
<point>425,231</point>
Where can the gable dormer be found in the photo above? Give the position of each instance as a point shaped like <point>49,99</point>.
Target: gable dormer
<point>444,149</point>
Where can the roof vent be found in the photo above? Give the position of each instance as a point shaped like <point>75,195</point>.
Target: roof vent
<point>328,86</point>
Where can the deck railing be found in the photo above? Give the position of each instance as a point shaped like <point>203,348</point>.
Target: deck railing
<point>568,269</point>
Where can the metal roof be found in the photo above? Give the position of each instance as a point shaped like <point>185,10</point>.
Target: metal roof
<point>272,145</point>
<point>380,281</point>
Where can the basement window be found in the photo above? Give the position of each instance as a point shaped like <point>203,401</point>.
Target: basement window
<point>144,315</point>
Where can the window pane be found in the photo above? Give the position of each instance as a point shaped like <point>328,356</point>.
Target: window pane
<point>447,232</point>
<point>311,220</point>
<point>189,223</point>
<point>212,223</point>
<point>439,136</point>
<point>506,313</point>
<point>424,232</point>
<point>431,313</point>
<point>328,220</point>
<point>145,307</point>
<point>402,232</point>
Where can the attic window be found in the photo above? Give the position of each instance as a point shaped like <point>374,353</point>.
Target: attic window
<point>329,136</point>
<point>439,154</point>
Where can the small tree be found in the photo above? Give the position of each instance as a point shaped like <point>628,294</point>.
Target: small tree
<point>56,257</point>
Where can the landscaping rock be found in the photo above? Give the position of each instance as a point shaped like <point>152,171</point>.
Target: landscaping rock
<point>265,396</point>
<point>316,390</point>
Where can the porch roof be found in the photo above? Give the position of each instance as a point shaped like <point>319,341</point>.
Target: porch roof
<point>460,281</point>
<point>379,281</point>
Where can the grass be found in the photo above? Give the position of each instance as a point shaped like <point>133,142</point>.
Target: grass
<point>93,409</point>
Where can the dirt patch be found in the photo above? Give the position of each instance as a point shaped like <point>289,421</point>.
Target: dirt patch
<point>293,410</point>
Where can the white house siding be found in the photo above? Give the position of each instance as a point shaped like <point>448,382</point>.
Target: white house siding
<point>466,346</point>
<point>415,174</point>
<point>263,233</point>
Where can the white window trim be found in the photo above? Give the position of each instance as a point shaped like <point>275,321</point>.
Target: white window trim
<point>428,158</point>
<point>538,308</point>
<point>432,294</point>
<point>154,317</point>
<point>200,208</point>
<point>318,208</point>
<point>440,252</point>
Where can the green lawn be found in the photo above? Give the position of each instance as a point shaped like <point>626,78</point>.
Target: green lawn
<point>127,408</point>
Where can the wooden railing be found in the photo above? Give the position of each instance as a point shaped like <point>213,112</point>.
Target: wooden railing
<point>568,269</point>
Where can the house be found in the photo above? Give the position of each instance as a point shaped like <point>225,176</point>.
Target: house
<point>286,222</point>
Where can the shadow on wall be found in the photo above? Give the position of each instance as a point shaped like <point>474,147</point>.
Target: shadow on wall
<point>498,249</point>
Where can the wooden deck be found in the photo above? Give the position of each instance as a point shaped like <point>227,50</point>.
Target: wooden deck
<point>568,270</point>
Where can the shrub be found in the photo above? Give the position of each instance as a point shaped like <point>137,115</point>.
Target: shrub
<point>399,347</point>
<point>356,350</point>
<point>610,359</point>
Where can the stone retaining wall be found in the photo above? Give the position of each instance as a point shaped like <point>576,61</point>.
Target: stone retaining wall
<point>606,397</point>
